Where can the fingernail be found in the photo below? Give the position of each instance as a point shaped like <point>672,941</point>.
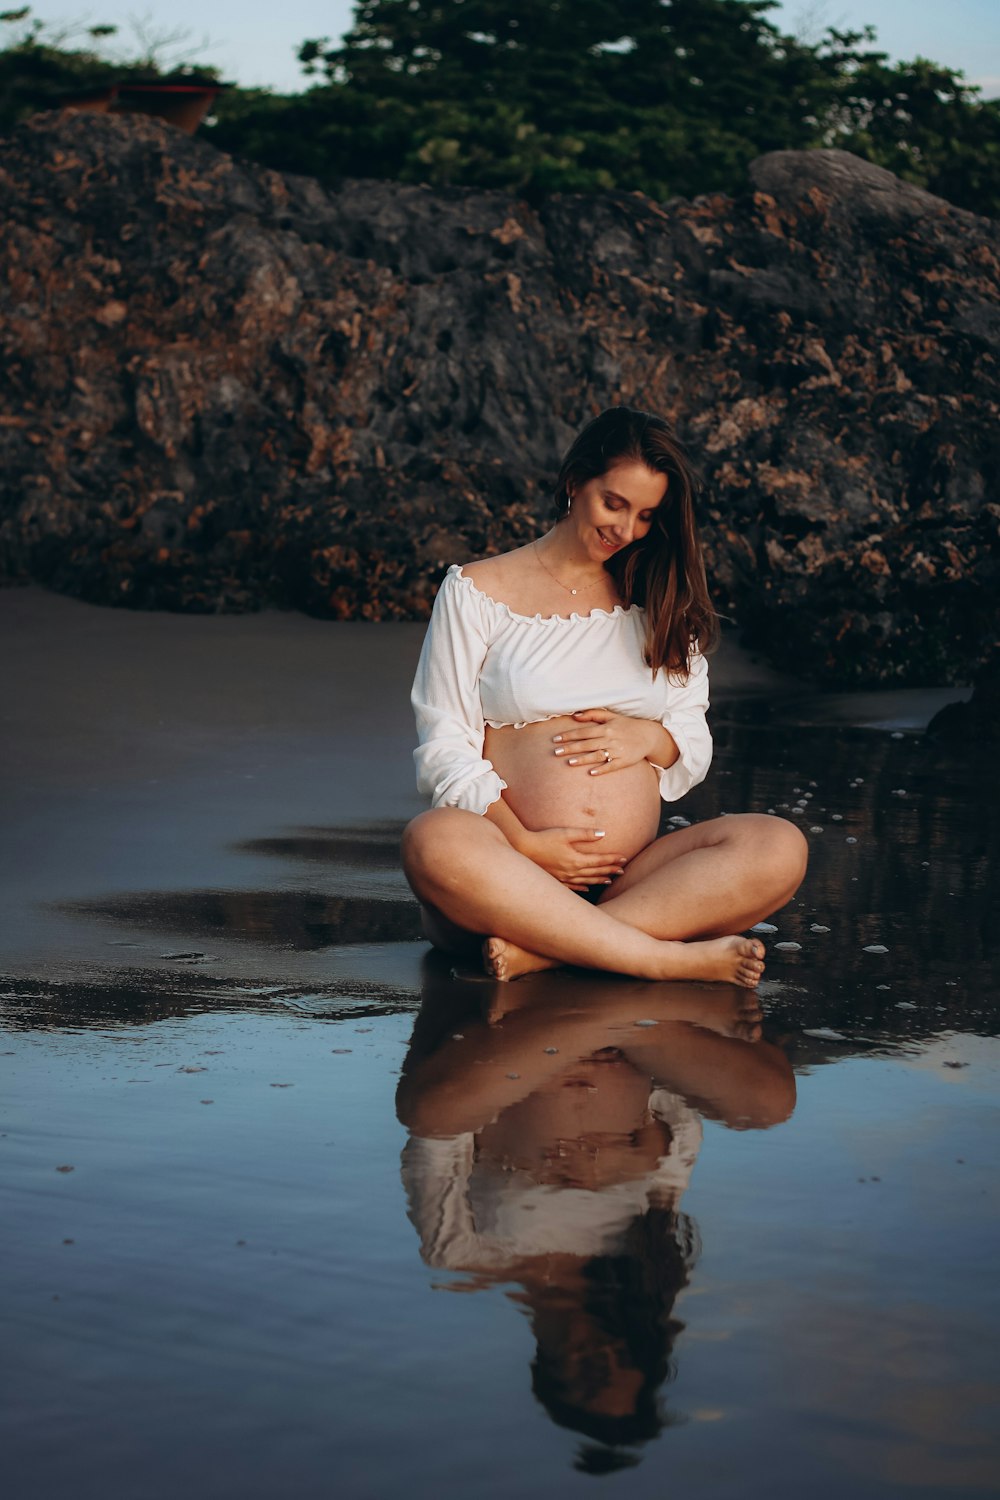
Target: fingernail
<point>598,833</point>
<point>557,739</point>
<point>559,752</point>
<point>594,770</point>
<point>572,762</point>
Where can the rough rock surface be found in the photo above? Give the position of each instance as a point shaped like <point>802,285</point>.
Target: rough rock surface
<point>223,387</point>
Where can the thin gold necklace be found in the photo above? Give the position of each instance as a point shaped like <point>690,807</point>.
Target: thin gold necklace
<point>559,580</point>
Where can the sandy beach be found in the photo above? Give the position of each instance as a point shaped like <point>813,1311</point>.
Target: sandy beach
<point>211,973</point>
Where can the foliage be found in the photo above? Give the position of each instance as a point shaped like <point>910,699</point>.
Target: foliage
<point>660,96</point>
<point>40,62</point>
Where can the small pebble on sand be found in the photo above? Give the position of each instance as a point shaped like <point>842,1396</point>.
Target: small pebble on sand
<point>787,947</point>
<point>897,734</point>
<point>763,927</point>
<point>850,840</point>
<point>883,986</point>
<point>825,1033</point>
<point>836,817</point>
<point>818,927</point>
<point>815,828</point>
<point>875,948</point>
<point>905,1005</point>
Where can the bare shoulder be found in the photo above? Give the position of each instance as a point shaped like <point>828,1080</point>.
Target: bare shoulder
<point>500,576</point>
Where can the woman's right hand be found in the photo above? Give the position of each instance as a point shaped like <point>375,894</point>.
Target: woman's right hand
<point>573,855</point>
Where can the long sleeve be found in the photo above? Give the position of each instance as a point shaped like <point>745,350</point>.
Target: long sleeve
<point>446,703</point>
<point>685,720</point>
<point>436,1178</point>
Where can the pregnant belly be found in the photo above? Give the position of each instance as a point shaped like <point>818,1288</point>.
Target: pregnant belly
<point>545,792</point>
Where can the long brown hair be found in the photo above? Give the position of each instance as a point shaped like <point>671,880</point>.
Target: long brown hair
<point>665,571</point>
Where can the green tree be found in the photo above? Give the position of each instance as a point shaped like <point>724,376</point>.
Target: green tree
<point>661,96</point>
<point>664,96</point>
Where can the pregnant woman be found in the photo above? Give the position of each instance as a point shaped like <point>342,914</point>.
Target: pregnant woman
<point>560,695</point>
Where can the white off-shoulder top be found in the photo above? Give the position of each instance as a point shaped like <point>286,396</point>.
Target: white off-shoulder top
<point>472,1216</point>
<point>483,664</point>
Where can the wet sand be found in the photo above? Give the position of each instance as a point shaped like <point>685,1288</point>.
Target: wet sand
<point>210,975</point>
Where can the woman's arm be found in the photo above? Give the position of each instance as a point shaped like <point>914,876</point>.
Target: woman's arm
<point>451,768</point>
<point>684,724</point>
<point>678,746</point>
<point>505,818</point>
<point>575,856</point>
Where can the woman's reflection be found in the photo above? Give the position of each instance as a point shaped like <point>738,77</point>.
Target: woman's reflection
<point>553,1149</point>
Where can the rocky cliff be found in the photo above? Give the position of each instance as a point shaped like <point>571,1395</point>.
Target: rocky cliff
<point>223,387</point>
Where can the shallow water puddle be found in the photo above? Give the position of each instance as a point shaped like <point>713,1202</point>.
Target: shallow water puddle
<point>252,1251</point>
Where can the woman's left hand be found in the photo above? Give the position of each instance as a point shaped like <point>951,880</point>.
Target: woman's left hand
<point>606,741</point>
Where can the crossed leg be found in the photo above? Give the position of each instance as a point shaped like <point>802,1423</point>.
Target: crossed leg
<point>716,877</point>
<point>659,921</point>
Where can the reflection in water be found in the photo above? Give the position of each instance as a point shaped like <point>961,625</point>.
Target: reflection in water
<point>552,1149</point>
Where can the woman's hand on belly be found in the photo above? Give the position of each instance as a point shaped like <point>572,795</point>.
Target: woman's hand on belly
<point>545,794</point>
<point>602,741</point>
<point>575,856</point>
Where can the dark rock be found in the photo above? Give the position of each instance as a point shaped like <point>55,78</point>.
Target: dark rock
<point>974,725</point>
<point>223,387</point>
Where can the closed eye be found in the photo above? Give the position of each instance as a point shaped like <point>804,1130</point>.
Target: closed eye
<point>614,505</point>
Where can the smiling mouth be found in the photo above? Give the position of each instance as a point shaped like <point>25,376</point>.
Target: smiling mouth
<point>611,546</point>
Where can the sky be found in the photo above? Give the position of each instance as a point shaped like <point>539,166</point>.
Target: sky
<point>254,43</point>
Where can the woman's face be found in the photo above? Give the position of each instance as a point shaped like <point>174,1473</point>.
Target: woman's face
<point>616,508</point>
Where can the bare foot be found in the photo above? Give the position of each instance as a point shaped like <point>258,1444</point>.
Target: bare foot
<point>503,960</point>
<point>725,1009</point>
<point>735,960</point>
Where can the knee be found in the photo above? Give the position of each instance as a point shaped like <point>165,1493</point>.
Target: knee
<point>439,840</point>
<point>423,839</point>
<point>780,851</point>
<point>786,850</point>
